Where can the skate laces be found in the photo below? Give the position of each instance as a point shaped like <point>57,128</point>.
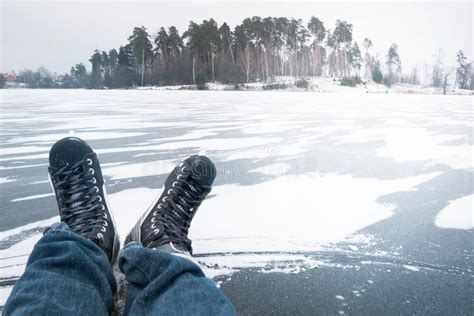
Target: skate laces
<point>81,206</point>
<point>176,210</point>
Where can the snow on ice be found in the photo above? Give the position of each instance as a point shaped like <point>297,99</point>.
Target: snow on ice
<point>297,170</point>
<point>459,214</point>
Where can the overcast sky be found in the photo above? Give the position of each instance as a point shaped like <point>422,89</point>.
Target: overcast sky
<point>59,34</point>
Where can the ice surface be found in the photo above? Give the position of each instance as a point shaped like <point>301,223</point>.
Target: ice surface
<point>459,214</point>
<point>296,171</point>
<point>51,138</point>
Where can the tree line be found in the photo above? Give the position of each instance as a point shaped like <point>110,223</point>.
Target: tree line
<point>257,49</point>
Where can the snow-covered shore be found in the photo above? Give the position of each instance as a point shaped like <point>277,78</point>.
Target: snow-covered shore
<point>319,84</point>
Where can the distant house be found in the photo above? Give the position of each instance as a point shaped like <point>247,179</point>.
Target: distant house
<point>10,77</point>
<point>10,81</point>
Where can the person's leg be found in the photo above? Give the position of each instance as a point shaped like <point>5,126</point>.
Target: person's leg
<point>69,270</point>
<point>162,276</point>
<point>66,274</point>
<point>164,283</point>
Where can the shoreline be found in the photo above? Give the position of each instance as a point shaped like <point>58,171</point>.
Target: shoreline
<point>315,84</point>
<point>288,84</point>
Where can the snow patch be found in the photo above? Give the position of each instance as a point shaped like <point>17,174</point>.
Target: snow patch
<point>459,214</point>
<point>266,263</point>
<point>22,167</point>
<point>40,224</point>
<point>32,197</point>
<point>23,150</point>
<point>4,294</point>
<point>139,170</point>
<point>6,180</point>
<point>408,144</point>
<point>328,217</point>
<point>38,182</point>
<point>275,169</point>
<point>411,268</point>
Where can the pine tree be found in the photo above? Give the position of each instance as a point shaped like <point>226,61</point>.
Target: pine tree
<point>367,44</point>
<point>162,49</point>
<point>79,76</point>
<point>226,39</point>
<point>343,38</point>
<point>463,72</point>
<point>356,58</point>
<point>142,51</point>
<point>242,42</point>
<point>96,73</point>
<point>318,31</point>
<point>124,75</point>
<point>194,44</point>
<point>2,81</point>
<point>113,59</point>
<point>393,64</point>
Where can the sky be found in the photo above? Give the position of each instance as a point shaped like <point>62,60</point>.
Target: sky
<point>59,34</point>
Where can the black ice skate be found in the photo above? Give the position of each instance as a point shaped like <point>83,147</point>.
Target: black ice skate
<point>77,181</point>
<point>166,223</point>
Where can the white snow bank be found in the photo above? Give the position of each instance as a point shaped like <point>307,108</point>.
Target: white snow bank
<point>459,214</point>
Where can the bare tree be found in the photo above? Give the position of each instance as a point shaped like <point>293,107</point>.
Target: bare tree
<point>437,75</point>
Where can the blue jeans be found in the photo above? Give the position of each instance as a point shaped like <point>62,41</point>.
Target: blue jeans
<point>67,274</point>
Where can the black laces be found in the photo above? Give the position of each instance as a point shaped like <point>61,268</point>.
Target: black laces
<point>81,206</point>
<point>176,210</point>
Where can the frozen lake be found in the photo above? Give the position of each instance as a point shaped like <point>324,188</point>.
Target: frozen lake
<point>373,175</point>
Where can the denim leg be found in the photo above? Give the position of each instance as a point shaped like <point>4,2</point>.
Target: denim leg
<point>66,274</point>
<point>166,284</point>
